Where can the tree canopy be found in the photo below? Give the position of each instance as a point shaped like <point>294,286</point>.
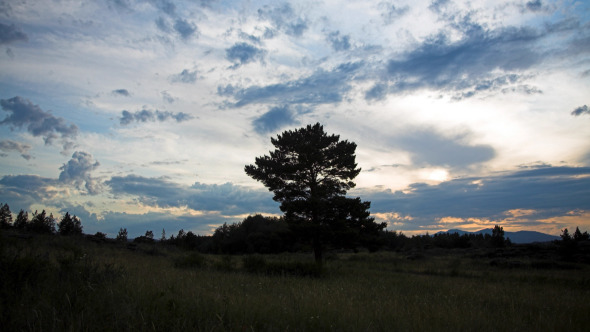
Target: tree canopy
<point>309,173</point>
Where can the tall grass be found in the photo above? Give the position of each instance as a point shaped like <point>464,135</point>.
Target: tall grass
<point>55,284</point>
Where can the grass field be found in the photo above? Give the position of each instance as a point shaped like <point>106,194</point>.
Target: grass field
<point>53,283</point>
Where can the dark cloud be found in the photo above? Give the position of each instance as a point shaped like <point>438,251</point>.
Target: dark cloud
<point>581,110</point>
<point>390,12</point>
<point>549,191</point>
<point>186,76</point>
<point>243,53</point>
<point>25,114</point>
<point>534,5</point>
<point>152,116</point>
<point>185,28</point>
<point>377,92</point>
<point>10,34</point>
<point>77,172</point>
<point>442,64</point>
<point>285,19</point>
<point>338,42</point>
<point>276,118</point>
<point>320,87</point>
<point>249,37</point>
<point>226,198</point>
<point>163,25</point>
<point>121,92</point>
<point>26,190</point>
<point>22,148</point>
<point>427,148</point>
<point>493,60</point>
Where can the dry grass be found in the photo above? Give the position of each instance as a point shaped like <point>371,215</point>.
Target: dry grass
<point>69,284</point>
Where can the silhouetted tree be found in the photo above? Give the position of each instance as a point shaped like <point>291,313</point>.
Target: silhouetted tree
<point>255,234</point>
<point>122,235</point>
<point>567,246</point>
<point>22,219</point>
<point>497,239</point>
<point>69,225</point>
<point>309,173</point>
<point>163,237</point>
<point>41,223</point>
<point>565,235</point>
<point>147,238</point>
<point>579,236</point>
<point>100,236</point>
<point>5,216</point>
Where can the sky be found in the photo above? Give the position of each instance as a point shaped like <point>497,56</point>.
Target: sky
<point>141,114</point>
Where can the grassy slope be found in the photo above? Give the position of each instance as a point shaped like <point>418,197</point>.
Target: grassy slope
<point>53,283</point>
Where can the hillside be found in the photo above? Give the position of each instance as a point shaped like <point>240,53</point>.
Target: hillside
<point>515,237</point>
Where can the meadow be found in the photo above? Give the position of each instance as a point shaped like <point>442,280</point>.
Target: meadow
<point>57,283</point>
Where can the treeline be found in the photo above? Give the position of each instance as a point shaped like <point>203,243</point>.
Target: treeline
<point>40,223</point>
<point>392,240</point>
<point>266,235</point>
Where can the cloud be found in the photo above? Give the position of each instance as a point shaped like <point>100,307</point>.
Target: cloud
<point>121,92</point>
<point>438,6</point>
<point>186,76</point>
<point>22,148</point>
<point>243,53</point>
<point>338,43</point>
<point>123,6</point>
<point>167,97</point>
<point>77,172</point>
<point>226,198</point>
<point>534,5</point>
<point>285,19</point>
<point>275,118</point>
<point>152,116</point>
<point>390,12</point>
<point>321,87</point>
<point>185,28</point>
<point>481,58</point>
<point>377,92</point>
<point>550,191</point>
<point>10,34</point>
<point>167,7</point>
<point>428,148</point>
<point>37,122</point>
<point>581,110</point>
<point>25,190</point>
<point>163,25</point>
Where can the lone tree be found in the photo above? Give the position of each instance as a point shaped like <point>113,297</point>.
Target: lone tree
<point>309,173</point>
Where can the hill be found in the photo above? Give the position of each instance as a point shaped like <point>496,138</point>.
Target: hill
<point>515,237</point>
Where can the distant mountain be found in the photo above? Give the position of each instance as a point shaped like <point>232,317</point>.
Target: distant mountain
<point>515,237</point>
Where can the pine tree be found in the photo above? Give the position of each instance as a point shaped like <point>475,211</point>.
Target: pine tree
<point>5,216</point>
<point>69,225</point>
<point>22,219</point>
<point>309,173</point>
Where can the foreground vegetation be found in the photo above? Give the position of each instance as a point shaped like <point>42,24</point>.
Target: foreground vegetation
<point>51,282</point>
